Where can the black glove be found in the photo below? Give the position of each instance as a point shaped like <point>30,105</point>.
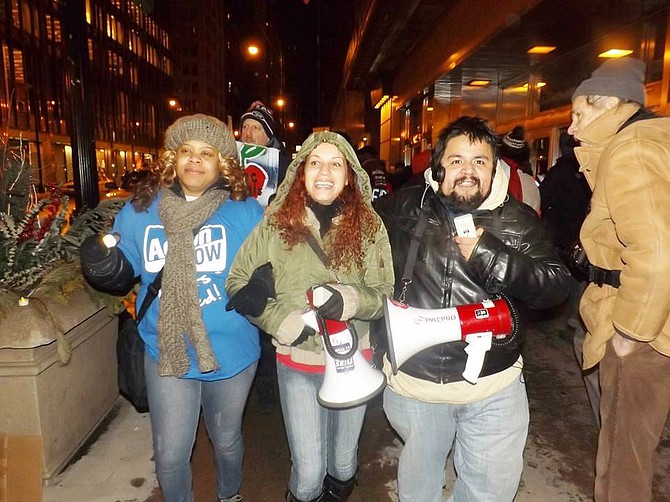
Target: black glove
<point>252,298</point>
<point>107,269</point>
<point>92,250</point>
<point>334,306</point>
<point>304,335</point>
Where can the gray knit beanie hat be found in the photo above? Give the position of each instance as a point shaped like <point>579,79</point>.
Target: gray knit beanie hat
<point>621,78</point>
<point>203,128</point>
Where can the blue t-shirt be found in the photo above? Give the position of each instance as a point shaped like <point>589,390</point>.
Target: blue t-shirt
<point>233,338</point>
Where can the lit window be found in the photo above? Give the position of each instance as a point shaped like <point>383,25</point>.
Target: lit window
<point>50,33</point>
<point>57,34</point>
<point>15,14</point>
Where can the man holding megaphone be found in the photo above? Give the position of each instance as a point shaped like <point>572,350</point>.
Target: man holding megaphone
<point>460,242</point>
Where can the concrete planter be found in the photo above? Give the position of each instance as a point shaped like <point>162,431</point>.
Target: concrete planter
<point>40,396</point>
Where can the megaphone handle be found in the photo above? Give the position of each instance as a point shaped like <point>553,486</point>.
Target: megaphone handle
<point>325,333</point>
<point>476,349</point>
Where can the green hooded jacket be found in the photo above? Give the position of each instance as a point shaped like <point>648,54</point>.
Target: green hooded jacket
<point>296,270</point>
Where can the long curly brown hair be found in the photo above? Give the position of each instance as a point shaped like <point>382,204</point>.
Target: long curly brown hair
<point>346,240</point>
<point>146,190</point>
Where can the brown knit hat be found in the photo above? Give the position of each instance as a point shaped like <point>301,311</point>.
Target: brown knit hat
<point>203,128</point>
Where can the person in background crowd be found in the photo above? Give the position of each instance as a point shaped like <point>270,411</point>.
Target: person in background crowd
<point>257,126</point>
<point>371,163</point>
<point>420,162</point>
<point>198,355</point>
<point>428,402</point>
<point>401,174</point>
<point>625,156</point>
<point>515,153</point>
<point>326,198</point>
<point>565,197</point>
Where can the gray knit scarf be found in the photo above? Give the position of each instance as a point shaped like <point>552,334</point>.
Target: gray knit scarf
<point>180,313</point>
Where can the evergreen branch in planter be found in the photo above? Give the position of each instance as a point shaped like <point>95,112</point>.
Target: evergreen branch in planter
<point>42,249</point>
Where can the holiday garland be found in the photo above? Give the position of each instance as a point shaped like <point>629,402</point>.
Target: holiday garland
<point>39,240</point>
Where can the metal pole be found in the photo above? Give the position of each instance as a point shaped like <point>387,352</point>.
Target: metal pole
<point>34,104</point>
<point>80,123</point>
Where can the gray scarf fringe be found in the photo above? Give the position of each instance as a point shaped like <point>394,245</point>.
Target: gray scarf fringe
<point>180,314</point>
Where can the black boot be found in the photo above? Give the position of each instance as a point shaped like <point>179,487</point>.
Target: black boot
<point>336,490</point>
<point>291,498</point>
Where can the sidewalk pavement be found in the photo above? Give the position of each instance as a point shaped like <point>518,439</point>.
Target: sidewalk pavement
<point>118,467</point>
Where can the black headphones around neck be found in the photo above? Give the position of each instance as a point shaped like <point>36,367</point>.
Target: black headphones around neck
<point>437,171</point>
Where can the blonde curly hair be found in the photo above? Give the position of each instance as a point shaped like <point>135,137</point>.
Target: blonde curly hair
<point>166,174</point>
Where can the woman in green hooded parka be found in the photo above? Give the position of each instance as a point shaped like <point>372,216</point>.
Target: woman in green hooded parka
<point>327,195</point>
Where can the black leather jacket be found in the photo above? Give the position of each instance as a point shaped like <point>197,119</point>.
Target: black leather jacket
<point>514,256</point>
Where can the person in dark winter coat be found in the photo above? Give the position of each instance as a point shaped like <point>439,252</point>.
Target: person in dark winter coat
<point>565,197</point>
<point>258,127</point>
<point>565,202</point>
<point>428,402</point>
<point>374,166</point>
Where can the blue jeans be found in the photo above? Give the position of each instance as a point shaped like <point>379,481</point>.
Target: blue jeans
<point>488,437</point>
<point>174,405</point>
<point>320,439</point>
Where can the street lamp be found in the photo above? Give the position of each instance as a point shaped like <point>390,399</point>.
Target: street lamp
<point>281,104</point>
<point>174,105</point>
<point>255,49</point>
<point>289,135</point>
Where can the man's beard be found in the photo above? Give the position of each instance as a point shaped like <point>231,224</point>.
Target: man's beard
<point>466,203</point>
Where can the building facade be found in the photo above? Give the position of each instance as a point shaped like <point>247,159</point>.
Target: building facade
<point>199,39</point>
<point>130,72</point>
<point>414,66</point>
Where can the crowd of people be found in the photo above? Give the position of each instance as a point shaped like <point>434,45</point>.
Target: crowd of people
<point>342,235</point>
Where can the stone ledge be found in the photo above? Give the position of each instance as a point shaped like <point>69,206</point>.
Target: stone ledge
<point>38,323</point>
<point>61,403</point>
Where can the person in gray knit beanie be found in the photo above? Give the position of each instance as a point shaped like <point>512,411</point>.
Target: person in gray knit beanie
<point>624,154</point>
<point>179,234</point>
<point>613,83</point>
<point>203,128</point>
<point>622,78</point>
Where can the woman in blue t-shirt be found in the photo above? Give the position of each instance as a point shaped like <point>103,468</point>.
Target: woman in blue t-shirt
<point>189,223</point>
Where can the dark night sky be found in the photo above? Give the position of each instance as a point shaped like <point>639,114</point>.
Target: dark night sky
<point>313,63</point>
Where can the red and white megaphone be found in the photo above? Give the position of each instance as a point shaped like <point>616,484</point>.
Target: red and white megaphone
<point>411,330</point>
<point>349,379</point>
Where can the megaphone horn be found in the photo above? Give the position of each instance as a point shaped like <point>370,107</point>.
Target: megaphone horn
<point>349,379</point>
<point>411,330</point>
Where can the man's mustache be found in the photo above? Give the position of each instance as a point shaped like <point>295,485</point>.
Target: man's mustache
<point>464,178</point>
